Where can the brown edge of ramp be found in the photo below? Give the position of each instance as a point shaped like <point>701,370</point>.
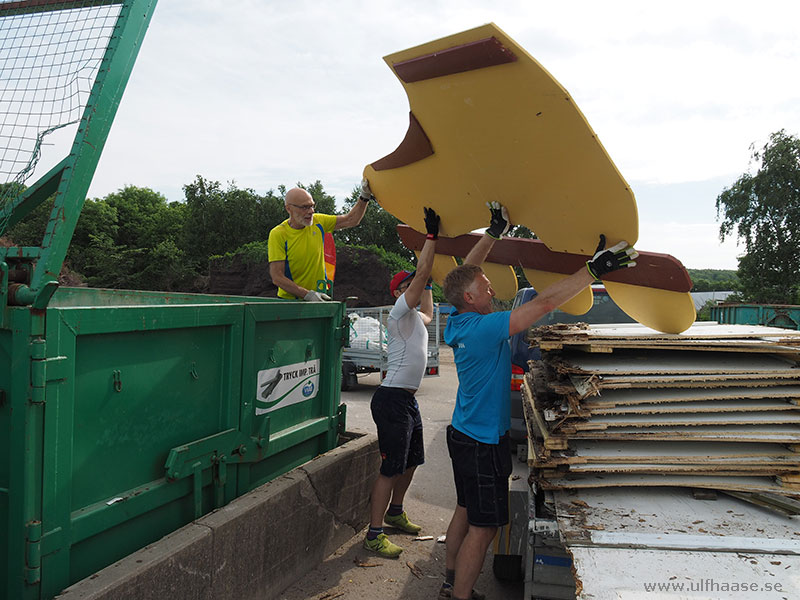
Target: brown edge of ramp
<point>249,548</point>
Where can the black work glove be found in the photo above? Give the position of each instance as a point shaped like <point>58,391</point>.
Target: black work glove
<point>605,261</point>
<point>500,223</point>
<point>431,223</point>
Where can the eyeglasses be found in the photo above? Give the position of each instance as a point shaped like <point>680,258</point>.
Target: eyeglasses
<point>304,207</point>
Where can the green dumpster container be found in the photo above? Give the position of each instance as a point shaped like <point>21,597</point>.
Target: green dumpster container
<point>786,316</point>
<point>125,415</point>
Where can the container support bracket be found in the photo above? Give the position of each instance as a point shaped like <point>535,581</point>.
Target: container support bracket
<point>214,452</point>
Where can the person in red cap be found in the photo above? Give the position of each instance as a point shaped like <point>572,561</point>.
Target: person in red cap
<point>394,406</point>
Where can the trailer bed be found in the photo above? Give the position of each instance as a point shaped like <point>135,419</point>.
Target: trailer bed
<point>368,352</point>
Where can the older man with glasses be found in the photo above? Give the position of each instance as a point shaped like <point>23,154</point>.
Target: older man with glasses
<point>296,246</point>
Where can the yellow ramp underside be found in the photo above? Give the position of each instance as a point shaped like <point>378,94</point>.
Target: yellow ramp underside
<point>579,305</point>
<point>662,310</point>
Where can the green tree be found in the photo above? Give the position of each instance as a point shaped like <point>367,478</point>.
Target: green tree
<point>377,228</point>
<point>520,231</point>
<point>129,240</point>
<point>713,280</point>
<point>325,203</point>
<point>220,220</point>
<point>30,230</point>
<point>764,211</point>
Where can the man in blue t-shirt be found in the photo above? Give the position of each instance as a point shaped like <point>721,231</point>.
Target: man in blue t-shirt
<point>477,438</point>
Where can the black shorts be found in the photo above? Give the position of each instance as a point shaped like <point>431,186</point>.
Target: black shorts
<point>481,473</point>
<point>396,413</point>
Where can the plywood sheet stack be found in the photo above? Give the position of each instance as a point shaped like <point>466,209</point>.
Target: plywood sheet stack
<point>717,407</point>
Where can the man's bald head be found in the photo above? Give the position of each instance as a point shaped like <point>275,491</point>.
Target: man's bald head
<point>298,196</point>
<point>300,206</point>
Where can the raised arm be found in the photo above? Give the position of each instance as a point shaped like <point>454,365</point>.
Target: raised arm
<point>418,292</point>
<point>604,261</point>
<point>499,225</point>
<point>354,216</point>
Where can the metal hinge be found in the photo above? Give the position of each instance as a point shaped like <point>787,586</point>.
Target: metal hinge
<point>44,370</point>
<point>344,331</point>
<point>33,552</point>
<point>341,419</point>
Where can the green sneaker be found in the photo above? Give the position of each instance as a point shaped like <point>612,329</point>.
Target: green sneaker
<point>402,523</point>
<point>383,547</point>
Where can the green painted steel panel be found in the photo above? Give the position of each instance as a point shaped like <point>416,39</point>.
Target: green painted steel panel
<point>5,451</point>
<point>141,380</point>
<point>147,391</point>
<point>291,378</point>
<point>22,458</point>
<point>147,417</point>
<point>81,297</point>
<point>126,414</point>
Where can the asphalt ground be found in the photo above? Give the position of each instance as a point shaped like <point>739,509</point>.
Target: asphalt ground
<point>353,573</point>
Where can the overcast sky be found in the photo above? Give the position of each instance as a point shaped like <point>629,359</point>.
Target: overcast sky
<point>264,93</point>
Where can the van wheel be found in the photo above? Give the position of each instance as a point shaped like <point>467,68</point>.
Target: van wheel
<point>349,376</point>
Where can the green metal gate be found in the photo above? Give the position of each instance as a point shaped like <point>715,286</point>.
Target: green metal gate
<point>127,421</point>
<point>125,415</point>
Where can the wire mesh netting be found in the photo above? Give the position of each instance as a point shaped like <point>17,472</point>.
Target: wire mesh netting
<point>50,55</point>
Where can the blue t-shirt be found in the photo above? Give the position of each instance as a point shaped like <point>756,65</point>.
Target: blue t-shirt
<point>483,360</point>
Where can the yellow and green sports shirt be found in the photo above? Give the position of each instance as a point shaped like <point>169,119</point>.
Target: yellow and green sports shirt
<point>302,251</point>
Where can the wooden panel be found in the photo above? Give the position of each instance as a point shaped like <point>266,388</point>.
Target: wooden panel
<point>671,362</point>
<point>627,397</point>
<point>705,453</point>
<point>711,571</point>
<point>663,511</point>
<point>743,484</point>
<point>661,271</point>
<point>675,408</point>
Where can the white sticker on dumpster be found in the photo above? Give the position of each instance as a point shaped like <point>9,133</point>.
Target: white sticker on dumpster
<point>286,385</point>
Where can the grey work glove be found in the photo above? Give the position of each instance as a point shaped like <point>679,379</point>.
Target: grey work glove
<point>313,296</point>
<point>366,193</point>
<point>620,256</point>
<point>500,223</point>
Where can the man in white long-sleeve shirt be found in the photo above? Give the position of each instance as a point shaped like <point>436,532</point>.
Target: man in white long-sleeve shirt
<point>394,406</point>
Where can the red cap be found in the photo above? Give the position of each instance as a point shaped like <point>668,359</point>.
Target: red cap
<point>399,278</point>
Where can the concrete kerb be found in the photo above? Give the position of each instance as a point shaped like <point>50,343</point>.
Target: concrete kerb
<point>257,545</point>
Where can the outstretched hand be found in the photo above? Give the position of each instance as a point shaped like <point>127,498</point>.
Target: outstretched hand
<point>366,193</point>
<point>313,296</point>
<point>431,223</point>
<point>619,256</point>
<point>500,223</point>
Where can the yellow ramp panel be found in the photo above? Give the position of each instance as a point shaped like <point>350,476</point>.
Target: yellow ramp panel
<point>489,123</point>
<point>442,265</point>
<point>541,280</point>
<point>503,278</point>
<point>506,131</point>
<point>662,310</point>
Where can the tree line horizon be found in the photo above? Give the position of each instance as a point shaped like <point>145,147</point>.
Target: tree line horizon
<point>135,238</point>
